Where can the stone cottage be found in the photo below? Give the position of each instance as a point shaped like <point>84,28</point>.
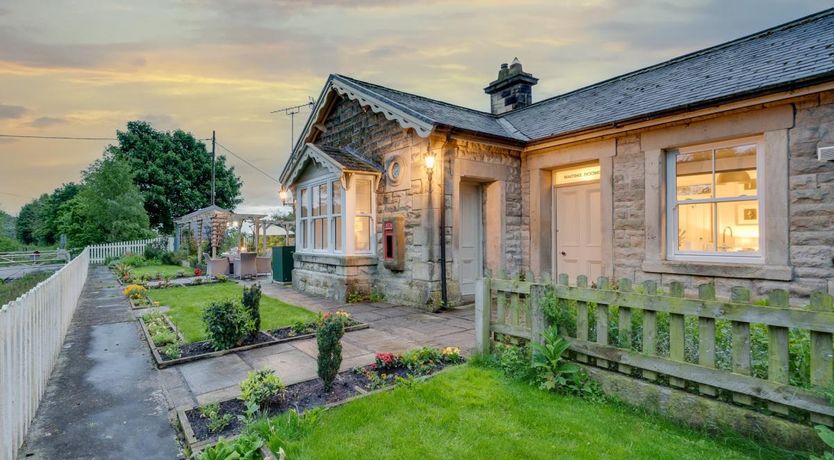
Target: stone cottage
<point>714,166</point>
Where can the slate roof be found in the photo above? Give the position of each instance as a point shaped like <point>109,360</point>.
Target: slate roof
<point>791,55</point>
<point>348,160</point>
<point>434,111</point>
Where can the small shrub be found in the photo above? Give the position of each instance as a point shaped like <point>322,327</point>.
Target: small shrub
<point>451,355</point>
<point>220,278</point>
<point>298,327</point>
<point>172,351</point>
<point>385,361</point>
<point>226,324</point>
<point>551,370</point>
<point>376,296</point>
<point>155,250</point>
<point>180,274</point>
<point>355,297</point>
<point>198,281</point>
<point>422,360</point>
<point>135,292</point>
<point>170,258</point>
<point>244,448</point>
<point>328,338</point>
<point>513,360</point>
<point>198,272</point>
<point>164,337</point>
<point>216,421</point>
<point>132,260</point>
<point>252,303</point>
<point>262,387</point>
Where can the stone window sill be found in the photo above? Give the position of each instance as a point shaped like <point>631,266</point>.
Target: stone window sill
<point>721,270</point>
<point>338,260</point>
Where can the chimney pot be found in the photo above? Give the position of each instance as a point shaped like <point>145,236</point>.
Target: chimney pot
<point>512,89</point>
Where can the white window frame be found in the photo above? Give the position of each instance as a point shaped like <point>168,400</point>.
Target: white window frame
<point>672,251</point>
<point>348,207</point>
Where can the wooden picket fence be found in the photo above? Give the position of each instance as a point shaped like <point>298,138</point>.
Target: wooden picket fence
<point>514,308</point>
<point>101,252</point>
<point>32,330</point>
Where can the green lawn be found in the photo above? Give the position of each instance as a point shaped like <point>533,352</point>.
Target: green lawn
<point>11,290</point>
<point>471,412</point>
<point>166,270</point>
<point>187,304</point>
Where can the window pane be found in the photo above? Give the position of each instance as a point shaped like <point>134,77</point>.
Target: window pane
<point>695,227</point>
<point>694,175</point>
<point>363,197</point>
<point>738,225</point>
<point>337,232</point>
<point>362,233</point>
<point>320,233</point>
<point>337,197</point>
<point>735,171</point>
<point>317,200</point>
<point>304,203</point>
<point>302,234</point>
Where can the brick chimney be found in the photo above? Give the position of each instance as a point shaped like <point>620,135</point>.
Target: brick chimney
<point>512,90</point>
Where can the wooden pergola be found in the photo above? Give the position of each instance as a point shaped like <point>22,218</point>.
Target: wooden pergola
<point>213,221</point>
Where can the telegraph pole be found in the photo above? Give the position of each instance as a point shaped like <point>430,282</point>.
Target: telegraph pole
<point>213,142</point>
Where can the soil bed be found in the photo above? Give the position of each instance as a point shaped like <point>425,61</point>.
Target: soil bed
<point>309,330</point>
<point>301,397</point>
<point>188,350</point>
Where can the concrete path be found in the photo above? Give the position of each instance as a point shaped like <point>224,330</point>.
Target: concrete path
<point>393,329</point>
<point>104,399</point>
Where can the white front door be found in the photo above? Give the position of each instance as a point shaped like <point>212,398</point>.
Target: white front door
<point>470,253</point>
<point>578,248</point>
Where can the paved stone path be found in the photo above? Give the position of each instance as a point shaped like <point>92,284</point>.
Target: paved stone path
<point>393,329</point>
<point>104,399</point>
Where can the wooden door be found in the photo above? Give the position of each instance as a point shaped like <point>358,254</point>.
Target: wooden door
<point>578,248</point>
<point>470,248</point>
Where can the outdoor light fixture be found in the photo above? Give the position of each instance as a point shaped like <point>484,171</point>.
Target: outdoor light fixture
<point>430,162</point>
<point>283,194</point>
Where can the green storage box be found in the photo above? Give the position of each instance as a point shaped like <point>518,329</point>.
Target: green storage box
<point>282,263</point>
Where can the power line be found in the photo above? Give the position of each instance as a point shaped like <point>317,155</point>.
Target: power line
<point>21,136</point>
<point>248,163</point>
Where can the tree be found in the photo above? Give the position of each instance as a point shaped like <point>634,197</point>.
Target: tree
<point>46,227</point>
<point>27,220</point>
<point>7,224</point>
<point>108,207</point>
<point>173,172</point>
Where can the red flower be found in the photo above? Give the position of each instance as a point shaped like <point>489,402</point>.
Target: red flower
<point>198,272</point>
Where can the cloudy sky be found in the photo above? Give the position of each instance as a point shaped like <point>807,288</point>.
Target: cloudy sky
<point>84,67</point>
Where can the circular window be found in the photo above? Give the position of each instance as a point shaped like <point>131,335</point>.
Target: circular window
<point>395,170</point>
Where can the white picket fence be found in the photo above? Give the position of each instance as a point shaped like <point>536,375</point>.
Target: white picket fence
<point>100,252</point>
<point>32,330</point>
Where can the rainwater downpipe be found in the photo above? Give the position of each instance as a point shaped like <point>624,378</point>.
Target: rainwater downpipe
<point>443,290</point>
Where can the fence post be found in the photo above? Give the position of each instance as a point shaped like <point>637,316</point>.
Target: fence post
<point>483,314</point>
<point>777,348</point>
<point>821,352</point>
<point>537,314</point>
<point>706,337</point>
<point>677,328</point>
<point>741,343</point>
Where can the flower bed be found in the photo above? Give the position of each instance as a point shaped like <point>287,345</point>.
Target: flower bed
<point>188,352</point>
<point>361,381</point>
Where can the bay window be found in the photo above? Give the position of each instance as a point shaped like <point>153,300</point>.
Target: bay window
<point>325,206</point>
<point>714,206</point>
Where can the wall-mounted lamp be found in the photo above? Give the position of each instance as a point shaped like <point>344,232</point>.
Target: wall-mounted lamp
<point>284,195</point>
<point>430,162</point>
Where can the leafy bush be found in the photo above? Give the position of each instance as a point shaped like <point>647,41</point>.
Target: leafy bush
<point>172,350</point>
<point>262,387</point>
<point>164,337</point>
<point>422,360</point>
<point>220,278</point>
<point>8,245</point>
<point>172,258</point>
<point>328,338</point>
<point>513,360</point>
<point>551,370</point>
<point>252,304</point>
<point>216,421</point>
<point>298,327</point>
<point>155,250</point>
<point>226,324</point>
<point>198,271</point>
<point>243,448</point>
<point>827,437</point>
<point>133,260</point>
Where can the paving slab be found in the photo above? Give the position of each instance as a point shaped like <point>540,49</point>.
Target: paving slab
<point>215,373</point>
<point>292,366</point>
<point>104,398</point>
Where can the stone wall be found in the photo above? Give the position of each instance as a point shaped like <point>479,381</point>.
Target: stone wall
<point>810,205</point>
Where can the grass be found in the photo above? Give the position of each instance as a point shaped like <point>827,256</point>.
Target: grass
<point>11,290</point>
<point>166,270</point>
<point>473,412</point>
<point>187,304</point>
